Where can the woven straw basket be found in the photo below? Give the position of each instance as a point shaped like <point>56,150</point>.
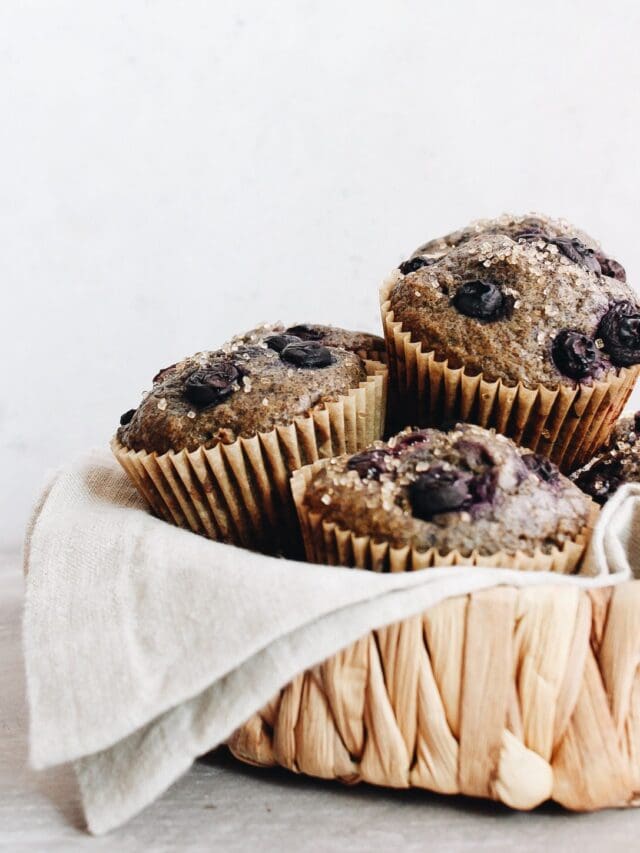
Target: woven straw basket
<point>517,695</point>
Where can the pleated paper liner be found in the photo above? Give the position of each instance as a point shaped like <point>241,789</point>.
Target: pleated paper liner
<point>239,493</point>
<point>327,543</point>
<point>566,424</point>
<point>555,715</point>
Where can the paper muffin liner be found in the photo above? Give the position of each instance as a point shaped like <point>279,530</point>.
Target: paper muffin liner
<point>566,424</point>
<point>326,543</point>
<point>239,493</point>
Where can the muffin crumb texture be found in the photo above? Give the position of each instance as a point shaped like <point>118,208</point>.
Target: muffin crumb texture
<point>522,299</point>
<point>259,380</point>
<point>616,464</point>
<point>465,490</point>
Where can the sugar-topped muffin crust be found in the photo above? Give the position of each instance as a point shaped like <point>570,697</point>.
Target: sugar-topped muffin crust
<point>522,299</point>
<point>468,489</point>
<point>257,381</point>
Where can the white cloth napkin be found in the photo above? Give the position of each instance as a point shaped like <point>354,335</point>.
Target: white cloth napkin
<point>146,646</point>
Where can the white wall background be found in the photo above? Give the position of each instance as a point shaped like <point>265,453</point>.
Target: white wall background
<point>173,172</point>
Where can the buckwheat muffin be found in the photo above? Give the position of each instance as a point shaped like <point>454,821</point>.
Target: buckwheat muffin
<point>572,242</point>
<point>428,497</point>
<point>521,323</point>
<point>616,464</point>
<point>212,445</point>
<point>365,344</point>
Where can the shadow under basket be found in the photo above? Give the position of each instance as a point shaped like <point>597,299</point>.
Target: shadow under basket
<point>239,493</point>
<point>516,695</point>
<point>567,424</point>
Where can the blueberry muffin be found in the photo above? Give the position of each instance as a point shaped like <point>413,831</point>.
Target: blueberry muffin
<point>616,464</point>
<point>434,497</point>
<point>572,242</point>
<point>365,344</point>
<point>509,323</point>
<point>212,445</point>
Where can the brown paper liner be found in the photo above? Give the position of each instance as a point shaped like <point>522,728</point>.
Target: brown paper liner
<point>566,424</point>
<point>328,544</point>
<point>239,493</point>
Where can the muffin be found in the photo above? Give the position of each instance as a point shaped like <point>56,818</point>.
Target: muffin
<point>571,241</point>
<point>213,444</point>
<point>364,344</point>
<point>616,464</point>
<point>428,498</point>
<point>522,324</point>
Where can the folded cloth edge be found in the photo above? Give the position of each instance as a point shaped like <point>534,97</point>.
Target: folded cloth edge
<point>108,803</point>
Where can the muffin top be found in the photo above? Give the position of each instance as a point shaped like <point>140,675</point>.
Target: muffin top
<point>255,382</point>
<point>618,463</point>
<point>526,299</point>
<point>584,249</point>
<point>364,344</point>
<point>467,489</point>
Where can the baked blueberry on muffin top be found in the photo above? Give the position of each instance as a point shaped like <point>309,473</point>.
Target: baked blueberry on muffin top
<point>364,344</point>
<point>521,299</point>
<point>616,464</point>
<point>573,243</point>
<point>468,489</point>
<point>259,380</point>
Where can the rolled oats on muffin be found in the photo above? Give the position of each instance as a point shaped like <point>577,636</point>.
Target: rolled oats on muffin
<point>519,323</point>
<point>616,464</point>
<point>427,498</point>
<point>213,444</point>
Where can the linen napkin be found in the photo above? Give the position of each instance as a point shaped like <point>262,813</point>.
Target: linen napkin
<point>146,645</point>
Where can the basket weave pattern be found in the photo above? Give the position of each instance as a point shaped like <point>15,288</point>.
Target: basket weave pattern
<point>517,695</point>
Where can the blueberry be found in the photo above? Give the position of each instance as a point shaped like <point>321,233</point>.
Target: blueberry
<point>411,439</point>
<point>480,299</point>
<point>619,330</point>
<point>439,490</point>
<point>126,418</point>
<point>414,264</point>
<point>279,342</point>
<point>576,251</point>
<point>209,385</point>
<point>541,465</point>
<point>611,267</point>
<point>636,421</point>
<point>305,332</point>
<point>600,480</point>
<point>483,486</point>
<point>571,247</point>
<point>533,233</point>
<point>369,464</point>
<point>307,354</point>
<point>574,354</point>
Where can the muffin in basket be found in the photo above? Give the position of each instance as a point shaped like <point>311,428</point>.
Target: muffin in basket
<point>212,446</point>
<point>521,324</point>
<point>616,464</point>
<point>431,498</point>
